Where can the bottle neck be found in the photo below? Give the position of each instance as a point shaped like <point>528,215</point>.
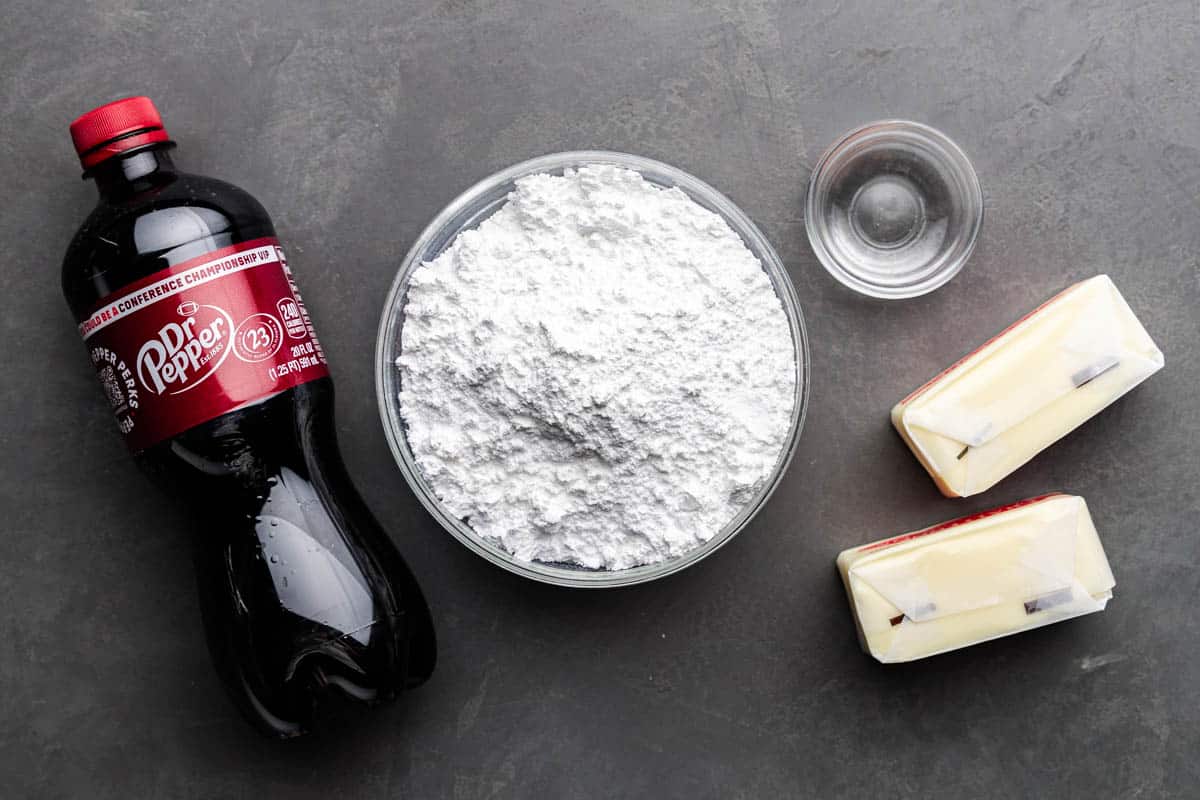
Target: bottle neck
<point>129,173</point>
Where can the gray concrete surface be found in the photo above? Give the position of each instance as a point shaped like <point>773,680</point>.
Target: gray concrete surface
<point>355,123</point>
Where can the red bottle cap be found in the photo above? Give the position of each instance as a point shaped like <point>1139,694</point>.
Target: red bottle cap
<point>116,127</point>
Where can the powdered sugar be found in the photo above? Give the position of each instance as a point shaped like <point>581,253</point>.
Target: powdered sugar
<point>599,374</point>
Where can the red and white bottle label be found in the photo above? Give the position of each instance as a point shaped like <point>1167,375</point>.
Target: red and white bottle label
<point>200,339</point>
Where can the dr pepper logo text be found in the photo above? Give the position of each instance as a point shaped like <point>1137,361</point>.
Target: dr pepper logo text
<point>183,354</point>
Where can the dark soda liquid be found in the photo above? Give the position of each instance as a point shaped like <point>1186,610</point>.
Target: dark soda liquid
<point>302,592</point>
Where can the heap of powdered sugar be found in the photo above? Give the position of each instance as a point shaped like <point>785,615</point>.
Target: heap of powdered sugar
<point>600,374</point>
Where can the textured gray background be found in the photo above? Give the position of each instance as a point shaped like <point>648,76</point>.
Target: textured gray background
<point>355,123</point>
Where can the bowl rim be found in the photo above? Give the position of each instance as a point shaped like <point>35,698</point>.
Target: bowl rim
<point>954,154</point>
<point>391,324</point>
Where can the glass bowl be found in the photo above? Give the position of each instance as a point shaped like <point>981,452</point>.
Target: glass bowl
<point>893,209</point>
<point>467,211</point>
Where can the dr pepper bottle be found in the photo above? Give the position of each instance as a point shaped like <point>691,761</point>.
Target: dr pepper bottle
<point>192,320</point>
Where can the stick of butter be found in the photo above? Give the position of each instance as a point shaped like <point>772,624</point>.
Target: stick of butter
<point>984,576</point>
<point>1027,387</point>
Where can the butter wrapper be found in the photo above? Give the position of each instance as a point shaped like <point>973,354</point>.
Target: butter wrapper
<point>976,578</point>
<point>1026,388</point>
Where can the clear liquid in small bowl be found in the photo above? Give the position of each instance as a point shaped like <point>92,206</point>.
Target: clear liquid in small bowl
<point>894,209</point>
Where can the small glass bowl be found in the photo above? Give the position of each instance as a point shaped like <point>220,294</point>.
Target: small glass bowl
<point>893,209</point>
<point>467,211</point>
